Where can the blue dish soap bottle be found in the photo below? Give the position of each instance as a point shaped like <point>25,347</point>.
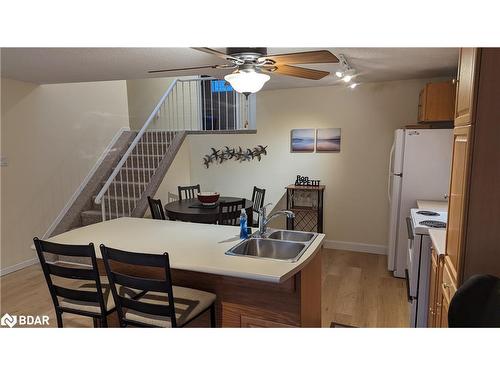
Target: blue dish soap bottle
<point>243,224</point>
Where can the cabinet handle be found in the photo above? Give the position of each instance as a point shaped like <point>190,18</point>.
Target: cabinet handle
<point>446,286</point>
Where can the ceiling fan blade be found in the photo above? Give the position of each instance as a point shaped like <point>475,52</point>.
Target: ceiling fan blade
<point>296,71</point>
<point>310,57</point>
<point>190,68</point>
<point>215,52</point>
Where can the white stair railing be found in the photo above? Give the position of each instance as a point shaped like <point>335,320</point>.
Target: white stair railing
<point>192,105</point>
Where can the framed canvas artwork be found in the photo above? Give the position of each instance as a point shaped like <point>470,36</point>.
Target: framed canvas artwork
<point>302,140</point>
<point>328,140</point>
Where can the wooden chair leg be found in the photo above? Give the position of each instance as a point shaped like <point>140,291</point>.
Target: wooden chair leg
<point>96,322</point>
<point>212,316</point>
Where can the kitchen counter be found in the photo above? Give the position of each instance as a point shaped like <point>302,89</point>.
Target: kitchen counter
<point>190,246</point>
<point>250,292</point>
<point>438,238</point>
<point>441,206</point>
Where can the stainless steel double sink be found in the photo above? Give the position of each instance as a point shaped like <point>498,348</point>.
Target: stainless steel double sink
<point>283,245</point>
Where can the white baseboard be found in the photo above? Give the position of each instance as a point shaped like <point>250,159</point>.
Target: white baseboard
<point>355,246</point>
<point>18,266</point>
<point>84,183</point>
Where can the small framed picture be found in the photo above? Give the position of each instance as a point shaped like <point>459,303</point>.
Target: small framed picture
<point>328,140</point>
<point>302,140</point>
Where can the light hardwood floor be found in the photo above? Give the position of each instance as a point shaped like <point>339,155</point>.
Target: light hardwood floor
<point>357,290</point>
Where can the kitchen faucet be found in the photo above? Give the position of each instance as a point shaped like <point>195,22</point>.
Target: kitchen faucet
<point>264,220</point>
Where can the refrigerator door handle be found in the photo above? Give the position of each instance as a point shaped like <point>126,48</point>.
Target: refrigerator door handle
<point>407,279</point>
<point>390,172</point>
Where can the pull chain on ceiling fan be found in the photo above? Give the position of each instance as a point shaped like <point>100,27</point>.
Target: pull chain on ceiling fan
<point>250,63</point>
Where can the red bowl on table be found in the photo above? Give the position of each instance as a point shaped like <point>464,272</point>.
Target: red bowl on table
<point>208,198</point>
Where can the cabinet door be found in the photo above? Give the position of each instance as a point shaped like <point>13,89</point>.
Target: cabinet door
<point>253,322</point>
<point>464,104</point>
<point>439,294</point>
<point>457,199</point>
<point>445,304</point>
<point>431,317</point>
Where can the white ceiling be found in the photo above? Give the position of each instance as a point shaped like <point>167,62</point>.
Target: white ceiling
<point>58,65</point>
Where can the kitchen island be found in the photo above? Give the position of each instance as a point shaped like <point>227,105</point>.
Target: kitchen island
<point>251,292</point>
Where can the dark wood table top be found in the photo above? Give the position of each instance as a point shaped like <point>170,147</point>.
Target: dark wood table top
<point>183,210</point>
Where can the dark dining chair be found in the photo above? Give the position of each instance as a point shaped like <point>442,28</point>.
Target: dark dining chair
<point>156,209</point>
<point>258,202</point>
<point>91,298</point>
<point>229,212</point>
<point>476,303</point>
<point>188,192</point>
<point>143,300</point>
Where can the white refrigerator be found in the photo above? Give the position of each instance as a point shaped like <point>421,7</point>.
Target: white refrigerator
<point>419,168</point>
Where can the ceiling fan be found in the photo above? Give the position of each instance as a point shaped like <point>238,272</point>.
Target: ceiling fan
<point>251,64</point>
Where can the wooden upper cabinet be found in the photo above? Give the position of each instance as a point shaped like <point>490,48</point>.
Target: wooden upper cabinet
<point>437,102</point>
<point>466,83</point>
<point>457,198</point>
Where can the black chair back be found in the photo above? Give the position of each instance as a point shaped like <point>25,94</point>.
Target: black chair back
<point>476,303</point>
<point>156,209</point>
<point>258,201</point>
<point>126,284</point>
<point>229,212</point>
<point>83,272</point>
<point>188,192</point>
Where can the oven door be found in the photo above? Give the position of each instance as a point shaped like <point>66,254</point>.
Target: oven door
<point>413,259</point>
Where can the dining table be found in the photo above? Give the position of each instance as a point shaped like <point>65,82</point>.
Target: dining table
<point>192,210</point>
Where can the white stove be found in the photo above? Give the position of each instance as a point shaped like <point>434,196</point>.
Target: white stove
<point>423,220</point>
<point>419,261</point>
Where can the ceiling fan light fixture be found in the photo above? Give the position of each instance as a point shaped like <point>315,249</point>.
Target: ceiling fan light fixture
<point>247,81</point>
<point>347,78</point>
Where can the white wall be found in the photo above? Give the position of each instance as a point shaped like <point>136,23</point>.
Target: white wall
<point>52,135</point>
<point>356,205</point>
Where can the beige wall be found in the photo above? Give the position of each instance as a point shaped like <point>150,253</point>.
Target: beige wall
<point>144,95</point>
<point>356,205</point>
<point>52,135</point>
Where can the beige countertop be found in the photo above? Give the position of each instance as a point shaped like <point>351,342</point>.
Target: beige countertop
<point>192,247</point>
<point>441,206</point>
<point>438,238</point>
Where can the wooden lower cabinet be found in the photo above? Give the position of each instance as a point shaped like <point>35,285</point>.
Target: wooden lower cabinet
<point>235,315</point>
<point>443,321</point>
<point>448,289</point>
<point>435,295</point>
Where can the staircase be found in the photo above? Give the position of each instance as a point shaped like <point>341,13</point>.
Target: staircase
<point>183,109</point>
<point>132,179</point>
